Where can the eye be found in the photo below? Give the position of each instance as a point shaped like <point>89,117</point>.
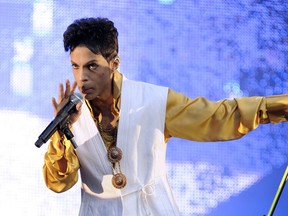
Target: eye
<point>74,66</point>
<point>93,66</point>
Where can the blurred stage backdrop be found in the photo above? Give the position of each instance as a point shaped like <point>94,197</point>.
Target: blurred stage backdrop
<point>212,48</point>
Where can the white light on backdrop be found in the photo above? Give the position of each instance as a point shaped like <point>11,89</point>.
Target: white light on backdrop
<point>204,186</point>
<point>21,79</point>
<point>23,50</point>
<point>42,17</point>
<point>22,75</point>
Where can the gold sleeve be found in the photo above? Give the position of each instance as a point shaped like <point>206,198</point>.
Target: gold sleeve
<point>277,108</point>
<point>202,120</point>
<point>61,164</point>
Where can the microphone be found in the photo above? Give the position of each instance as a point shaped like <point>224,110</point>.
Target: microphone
<point>60,119</point>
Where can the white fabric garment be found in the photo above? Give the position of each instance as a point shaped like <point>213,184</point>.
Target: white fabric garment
<point>141,139</point>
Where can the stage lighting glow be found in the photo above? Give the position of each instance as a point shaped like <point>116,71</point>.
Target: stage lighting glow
<point>42,17</point>
<point>166,1</point>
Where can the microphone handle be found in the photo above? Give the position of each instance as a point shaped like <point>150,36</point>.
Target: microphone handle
<point>54,125</point>
<point>48,132</point>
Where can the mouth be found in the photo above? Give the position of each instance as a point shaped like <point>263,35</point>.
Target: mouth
<point>85,90</point>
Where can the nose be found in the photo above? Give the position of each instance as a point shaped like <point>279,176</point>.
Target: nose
<point>83,75</point>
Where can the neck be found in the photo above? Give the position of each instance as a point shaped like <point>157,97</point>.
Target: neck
<point>103,105</point>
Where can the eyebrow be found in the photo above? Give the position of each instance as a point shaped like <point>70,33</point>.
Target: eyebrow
<point>87,63</point>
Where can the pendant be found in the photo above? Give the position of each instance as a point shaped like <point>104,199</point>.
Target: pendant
<point>114,154</point>
<point>119,180</point>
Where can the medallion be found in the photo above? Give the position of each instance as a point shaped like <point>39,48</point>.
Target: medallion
<point>114,154</point>
<point>119,180</point>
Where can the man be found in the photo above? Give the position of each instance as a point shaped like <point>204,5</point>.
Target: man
<point>123,126</point>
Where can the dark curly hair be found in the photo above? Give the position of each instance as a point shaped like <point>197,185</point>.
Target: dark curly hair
<point>98,34</point>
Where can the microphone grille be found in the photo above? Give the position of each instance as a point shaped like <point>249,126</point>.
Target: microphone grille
<point>76,98</point>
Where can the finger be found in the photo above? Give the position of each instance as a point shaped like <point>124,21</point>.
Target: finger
<point>67,90</point>
<point>75,115</point>
<point>78,107</point>
<point>55,105</point>
<point>60,93</point>
<point>74,85</point>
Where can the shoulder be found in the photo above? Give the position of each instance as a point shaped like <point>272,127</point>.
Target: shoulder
<point>143,85</point>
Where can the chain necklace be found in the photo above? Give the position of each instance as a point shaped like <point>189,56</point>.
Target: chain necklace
<point>114,154</point>
<point>109,135</point>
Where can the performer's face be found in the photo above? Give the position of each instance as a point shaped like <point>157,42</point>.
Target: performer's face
<point>92,73</point>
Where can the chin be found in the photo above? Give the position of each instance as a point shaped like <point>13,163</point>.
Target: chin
<point>89,97</point>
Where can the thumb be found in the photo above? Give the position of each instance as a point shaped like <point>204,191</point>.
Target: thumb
<point>78,107</point>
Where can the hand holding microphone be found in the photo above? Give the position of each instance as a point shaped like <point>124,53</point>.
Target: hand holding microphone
<point>68,107</point>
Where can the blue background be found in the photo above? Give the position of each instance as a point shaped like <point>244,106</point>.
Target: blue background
<point>216,49</point>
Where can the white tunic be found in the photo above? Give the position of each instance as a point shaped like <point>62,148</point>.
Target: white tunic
<point>141,139</point>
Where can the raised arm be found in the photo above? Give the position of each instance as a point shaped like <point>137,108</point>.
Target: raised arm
<point>202,120</point>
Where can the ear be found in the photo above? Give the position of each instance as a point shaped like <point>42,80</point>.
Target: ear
<point>116,63</point>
